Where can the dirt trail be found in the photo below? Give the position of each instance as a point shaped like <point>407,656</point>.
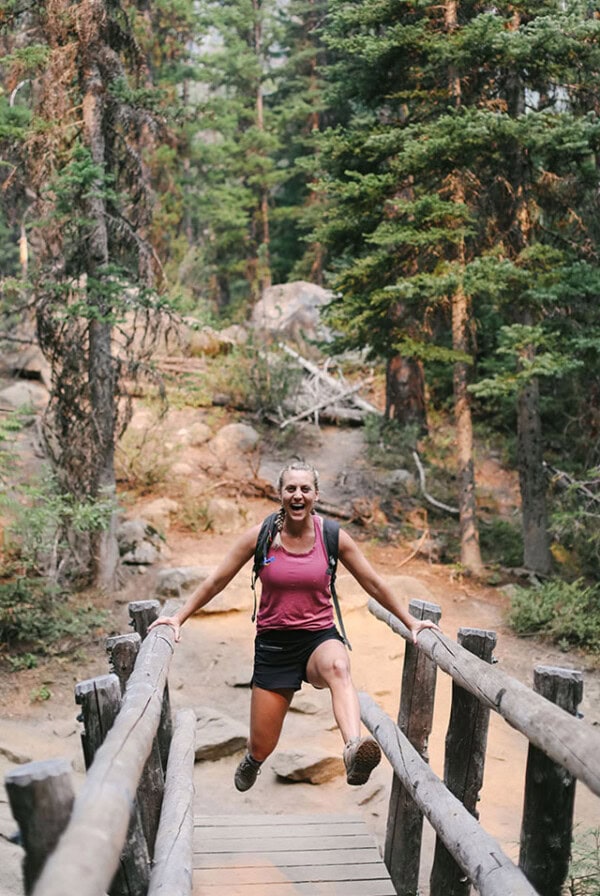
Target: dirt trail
<point>215,653</point>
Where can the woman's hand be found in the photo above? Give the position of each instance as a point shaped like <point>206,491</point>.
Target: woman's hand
<point>173,621</point>
<point>417,625</point>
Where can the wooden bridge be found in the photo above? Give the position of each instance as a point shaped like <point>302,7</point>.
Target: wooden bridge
<point>131,830</point>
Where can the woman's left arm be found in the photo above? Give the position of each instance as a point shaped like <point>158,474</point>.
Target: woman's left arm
<point>357,565</point>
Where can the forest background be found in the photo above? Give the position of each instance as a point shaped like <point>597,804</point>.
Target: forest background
<point>435,165</point>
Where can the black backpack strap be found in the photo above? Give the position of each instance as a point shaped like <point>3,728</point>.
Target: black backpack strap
<point>263,543</point>
<point>331,536</point>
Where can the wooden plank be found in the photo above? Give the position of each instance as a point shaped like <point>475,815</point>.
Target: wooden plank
<point>289,859</point>
<point>322,888</point>
<point>263,832</point>
<point>251,844</point>
<point>287,856</point>
<point>250,820</point>
<point>285,873</point>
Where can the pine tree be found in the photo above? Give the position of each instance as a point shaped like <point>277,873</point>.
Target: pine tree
<point>83,163</point>
<point>462,138</point>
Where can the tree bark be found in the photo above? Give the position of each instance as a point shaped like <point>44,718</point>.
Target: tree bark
<point>405,392</point>
<point>101,365</point>
<point>532,480</point>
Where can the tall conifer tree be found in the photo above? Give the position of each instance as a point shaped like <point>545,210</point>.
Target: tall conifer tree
<point>465,132</point>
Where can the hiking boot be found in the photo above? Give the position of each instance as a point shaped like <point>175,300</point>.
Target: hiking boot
<point>361,755</point>
<point>246,773</point>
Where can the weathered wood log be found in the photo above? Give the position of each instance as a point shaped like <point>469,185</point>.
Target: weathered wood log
<point>478,854</point>
<point>569,742</point>
<point>466,742</point>
<point>404,830</point>
<point>173,858</point>
<point>122,651</point>
<point>100,701</point>
<point>547,826</point>
<point>321,405</point>
<point>142,613</point>
<point>331,382</point>
<point>41,799</point>
<point>87,855</point>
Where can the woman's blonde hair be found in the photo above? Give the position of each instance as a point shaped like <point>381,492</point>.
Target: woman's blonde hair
<point>292,466</point>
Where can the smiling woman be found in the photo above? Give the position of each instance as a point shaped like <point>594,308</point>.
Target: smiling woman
<point>296,638</point>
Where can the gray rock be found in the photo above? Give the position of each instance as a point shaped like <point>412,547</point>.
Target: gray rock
<point>144,554</point>
<point>313,767</point>
<point>235,438</point>
<point>24,394</point>
<point>224,516</point>
<point>292,310</point>
<point>159,512</point>
<point>217,734</point>
<point>175,581</point>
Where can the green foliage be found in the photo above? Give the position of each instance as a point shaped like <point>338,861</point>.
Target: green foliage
<point>142,460</point>
<point>583,878</point>
<point>575,527</point>
<point>256,379</point>
<point>501,542</point>
<point>389,444</point>
<point>37,619</point>
<point>566,612</point>
<point>45,527</point>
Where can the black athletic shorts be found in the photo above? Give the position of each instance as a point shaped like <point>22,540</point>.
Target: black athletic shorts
<point>281,655</point>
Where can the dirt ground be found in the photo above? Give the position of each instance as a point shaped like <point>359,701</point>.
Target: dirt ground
<point>214,659</point>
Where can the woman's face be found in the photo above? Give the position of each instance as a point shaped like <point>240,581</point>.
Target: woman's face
<point>298,494</point>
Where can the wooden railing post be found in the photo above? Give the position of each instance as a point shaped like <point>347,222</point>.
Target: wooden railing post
<point>547,825</point>
<point>122,652</point>
<point>466,742</point>
<point>41,798</point>
<point>142,613</point>
<point>100,700</point>
<point>405,821</point>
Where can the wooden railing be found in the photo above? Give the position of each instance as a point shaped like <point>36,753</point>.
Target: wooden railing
<point>129,830</point>
<point>562,749</point>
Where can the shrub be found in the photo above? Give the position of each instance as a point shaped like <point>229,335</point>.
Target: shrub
<point>566,612</point>
<point>501,542</point>
<point>37,619</point>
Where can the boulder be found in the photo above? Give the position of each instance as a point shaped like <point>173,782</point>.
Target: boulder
<point>159,512</point>
<point>24,394</point>
<point>293,310</point>
<point>217,734</point>
<point>314,766</point>
<point>234,438</point>
<point>178,581</point>
<point>224,516</point>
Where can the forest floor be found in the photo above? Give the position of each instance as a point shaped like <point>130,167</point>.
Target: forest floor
<point>38,715</point>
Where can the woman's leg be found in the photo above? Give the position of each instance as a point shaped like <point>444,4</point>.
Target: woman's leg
<point>329,667</point>
<point>267,712</point>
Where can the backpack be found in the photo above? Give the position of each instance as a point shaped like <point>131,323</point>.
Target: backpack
<point>331,531</point>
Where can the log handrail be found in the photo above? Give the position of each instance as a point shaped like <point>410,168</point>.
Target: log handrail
<point>88,853</point>
<point>477,852</point>
<point>553,730</point>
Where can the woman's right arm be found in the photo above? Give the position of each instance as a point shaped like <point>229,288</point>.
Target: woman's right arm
<point>240,553</point>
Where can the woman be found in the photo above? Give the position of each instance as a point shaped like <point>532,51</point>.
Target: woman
<point>296,637</point>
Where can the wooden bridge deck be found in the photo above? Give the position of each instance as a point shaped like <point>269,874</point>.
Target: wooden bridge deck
<point>283,855</point>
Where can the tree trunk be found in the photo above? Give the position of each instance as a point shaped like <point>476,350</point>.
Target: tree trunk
<point>263,261</point>
<point>405,392</point>
<point>532,480</point>
<point>101,365</point>
<point>470,554</point>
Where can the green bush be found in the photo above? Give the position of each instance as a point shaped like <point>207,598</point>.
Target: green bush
<point>37,619</point>
<point>566,612</point>
<point>501,542</point>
